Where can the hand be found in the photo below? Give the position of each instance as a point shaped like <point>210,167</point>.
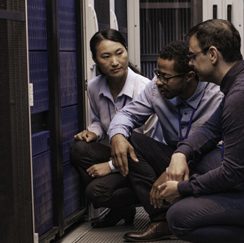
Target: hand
<point>120,147</point>
<point>169,192</point>
<point>99,170</point>
<point>178,169</point>
<point>86,135</point>
<point>155,198</point>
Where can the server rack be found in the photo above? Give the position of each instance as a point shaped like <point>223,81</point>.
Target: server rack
<point>161,22</point>
<point>59,71</point>
<point>57,75</point>
<point>16,214</point>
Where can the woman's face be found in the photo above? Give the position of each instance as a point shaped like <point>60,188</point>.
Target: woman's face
<point>112,58</point>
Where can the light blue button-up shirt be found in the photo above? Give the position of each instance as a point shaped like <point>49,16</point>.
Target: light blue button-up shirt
<point>103,106</point>
<point>205,101</point>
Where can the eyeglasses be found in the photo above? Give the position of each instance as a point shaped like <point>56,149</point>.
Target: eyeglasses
<point>194,55</point>
<point>162,78</point>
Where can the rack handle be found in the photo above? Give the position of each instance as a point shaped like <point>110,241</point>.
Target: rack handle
<point>215,8</point>
<point>229,8</point>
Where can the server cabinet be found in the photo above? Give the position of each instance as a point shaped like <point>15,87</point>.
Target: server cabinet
<point>56,73</point>
<point>231,10</point>
<point>162,22</point>
<point>16,214</point>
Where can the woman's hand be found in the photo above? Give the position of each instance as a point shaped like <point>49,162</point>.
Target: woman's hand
<point>99,170</point>
<point>86,136</point>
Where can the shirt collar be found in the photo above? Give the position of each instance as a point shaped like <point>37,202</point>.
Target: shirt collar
<point>196,98</point>
<point>127,88</point>
<point>230,76</point>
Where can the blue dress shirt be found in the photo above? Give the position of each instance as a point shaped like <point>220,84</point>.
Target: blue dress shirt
<point>205,100</point>
<point>103,106</point>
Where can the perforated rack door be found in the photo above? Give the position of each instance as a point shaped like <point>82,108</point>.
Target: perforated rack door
<point>16,224</point>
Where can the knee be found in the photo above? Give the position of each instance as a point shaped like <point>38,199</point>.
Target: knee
<point>98,194</point>
<point>176,221</point>
<point>76,151</point>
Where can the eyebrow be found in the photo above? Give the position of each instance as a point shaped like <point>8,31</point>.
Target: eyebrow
<point>163,73</point>
<point>109,53</point>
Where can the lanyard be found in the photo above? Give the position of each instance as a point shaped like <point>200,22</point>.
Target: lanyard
<point>189,124</point>
<point>109,107</point>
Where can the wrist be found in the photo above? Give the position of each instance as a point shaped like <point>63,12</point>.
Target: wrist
<point>113,169</point>
<point>179,155</point>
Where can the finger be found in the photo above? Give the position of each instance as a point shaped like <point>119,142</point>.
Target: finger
<point>153,200</point>
<point>162,187</point>
<point>174,176</point>
<point>117,162</point>
<point>84,137</point>
<point>90,173</point>
<point>132,154</point>
<point>79,136</point>
<point>124,165</point>
<point>90,169</point>
<point>160,203</point>
<point>158,200</point>
<point>186,176</point>
<point>76,137</point>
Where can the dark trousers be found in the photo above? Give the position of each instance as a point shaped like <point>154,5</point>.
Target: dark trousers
<point>154,157</point>
<point>112,190</point>
<point>214,218</point>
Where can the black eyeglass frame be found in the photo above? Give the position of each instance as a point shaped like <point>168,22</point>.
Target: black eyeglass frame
<point>193,55</point>
<point>162,78</point>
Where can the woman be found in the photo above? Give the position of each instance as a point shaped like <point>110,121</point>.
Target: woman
<point>109,92</point>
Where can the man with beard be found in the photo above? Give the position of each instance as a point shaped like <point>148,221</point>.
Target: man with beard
<point>182,104</point>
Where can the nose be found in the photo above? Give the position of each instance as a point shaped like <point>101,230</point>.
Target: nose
<point>114,61</point>
<point>191,63</point>
<point>159,83</point>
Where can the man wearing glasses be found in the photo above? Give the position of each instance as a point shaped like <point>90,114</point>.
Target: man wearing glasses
<point>209,206</point>
<point>182,104</point>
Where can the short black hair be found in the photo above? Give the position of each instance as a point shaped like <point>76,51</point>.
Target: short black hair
<point>219,33</point>
<point>177,51</point>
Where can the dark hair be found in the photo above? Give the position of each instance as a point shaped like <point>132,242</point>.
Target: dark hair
<point>112,35</point>
<point>108,34</point>
<point>219,33</point>
<point>177,51</point>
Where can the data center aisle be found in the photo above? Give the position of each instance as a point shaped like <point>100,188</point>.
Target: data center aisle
<point>84,233</point>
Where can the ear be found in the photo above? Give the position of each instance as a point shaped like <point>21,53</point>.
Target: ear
<point>95,60</point>
<point>213,51</point>
<point>191,75</point>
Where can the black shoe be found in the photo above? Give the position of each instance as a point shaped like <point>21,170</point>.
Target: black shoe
<point>114,216</point>
<point>155,231</point>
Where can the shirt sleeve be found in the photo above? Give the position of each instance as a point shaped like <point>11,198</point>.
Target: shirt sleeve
<point>230,174</point>
<point>132,116</point>
<point>96,125</point>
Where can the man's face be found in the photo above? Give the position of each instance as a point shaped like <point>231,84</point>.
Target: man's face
<point>174,86</point>
<point>199,61</point>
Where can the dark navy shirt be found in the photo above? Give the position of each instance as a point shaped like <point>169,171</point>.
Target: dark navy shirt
<point>227,119</point>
